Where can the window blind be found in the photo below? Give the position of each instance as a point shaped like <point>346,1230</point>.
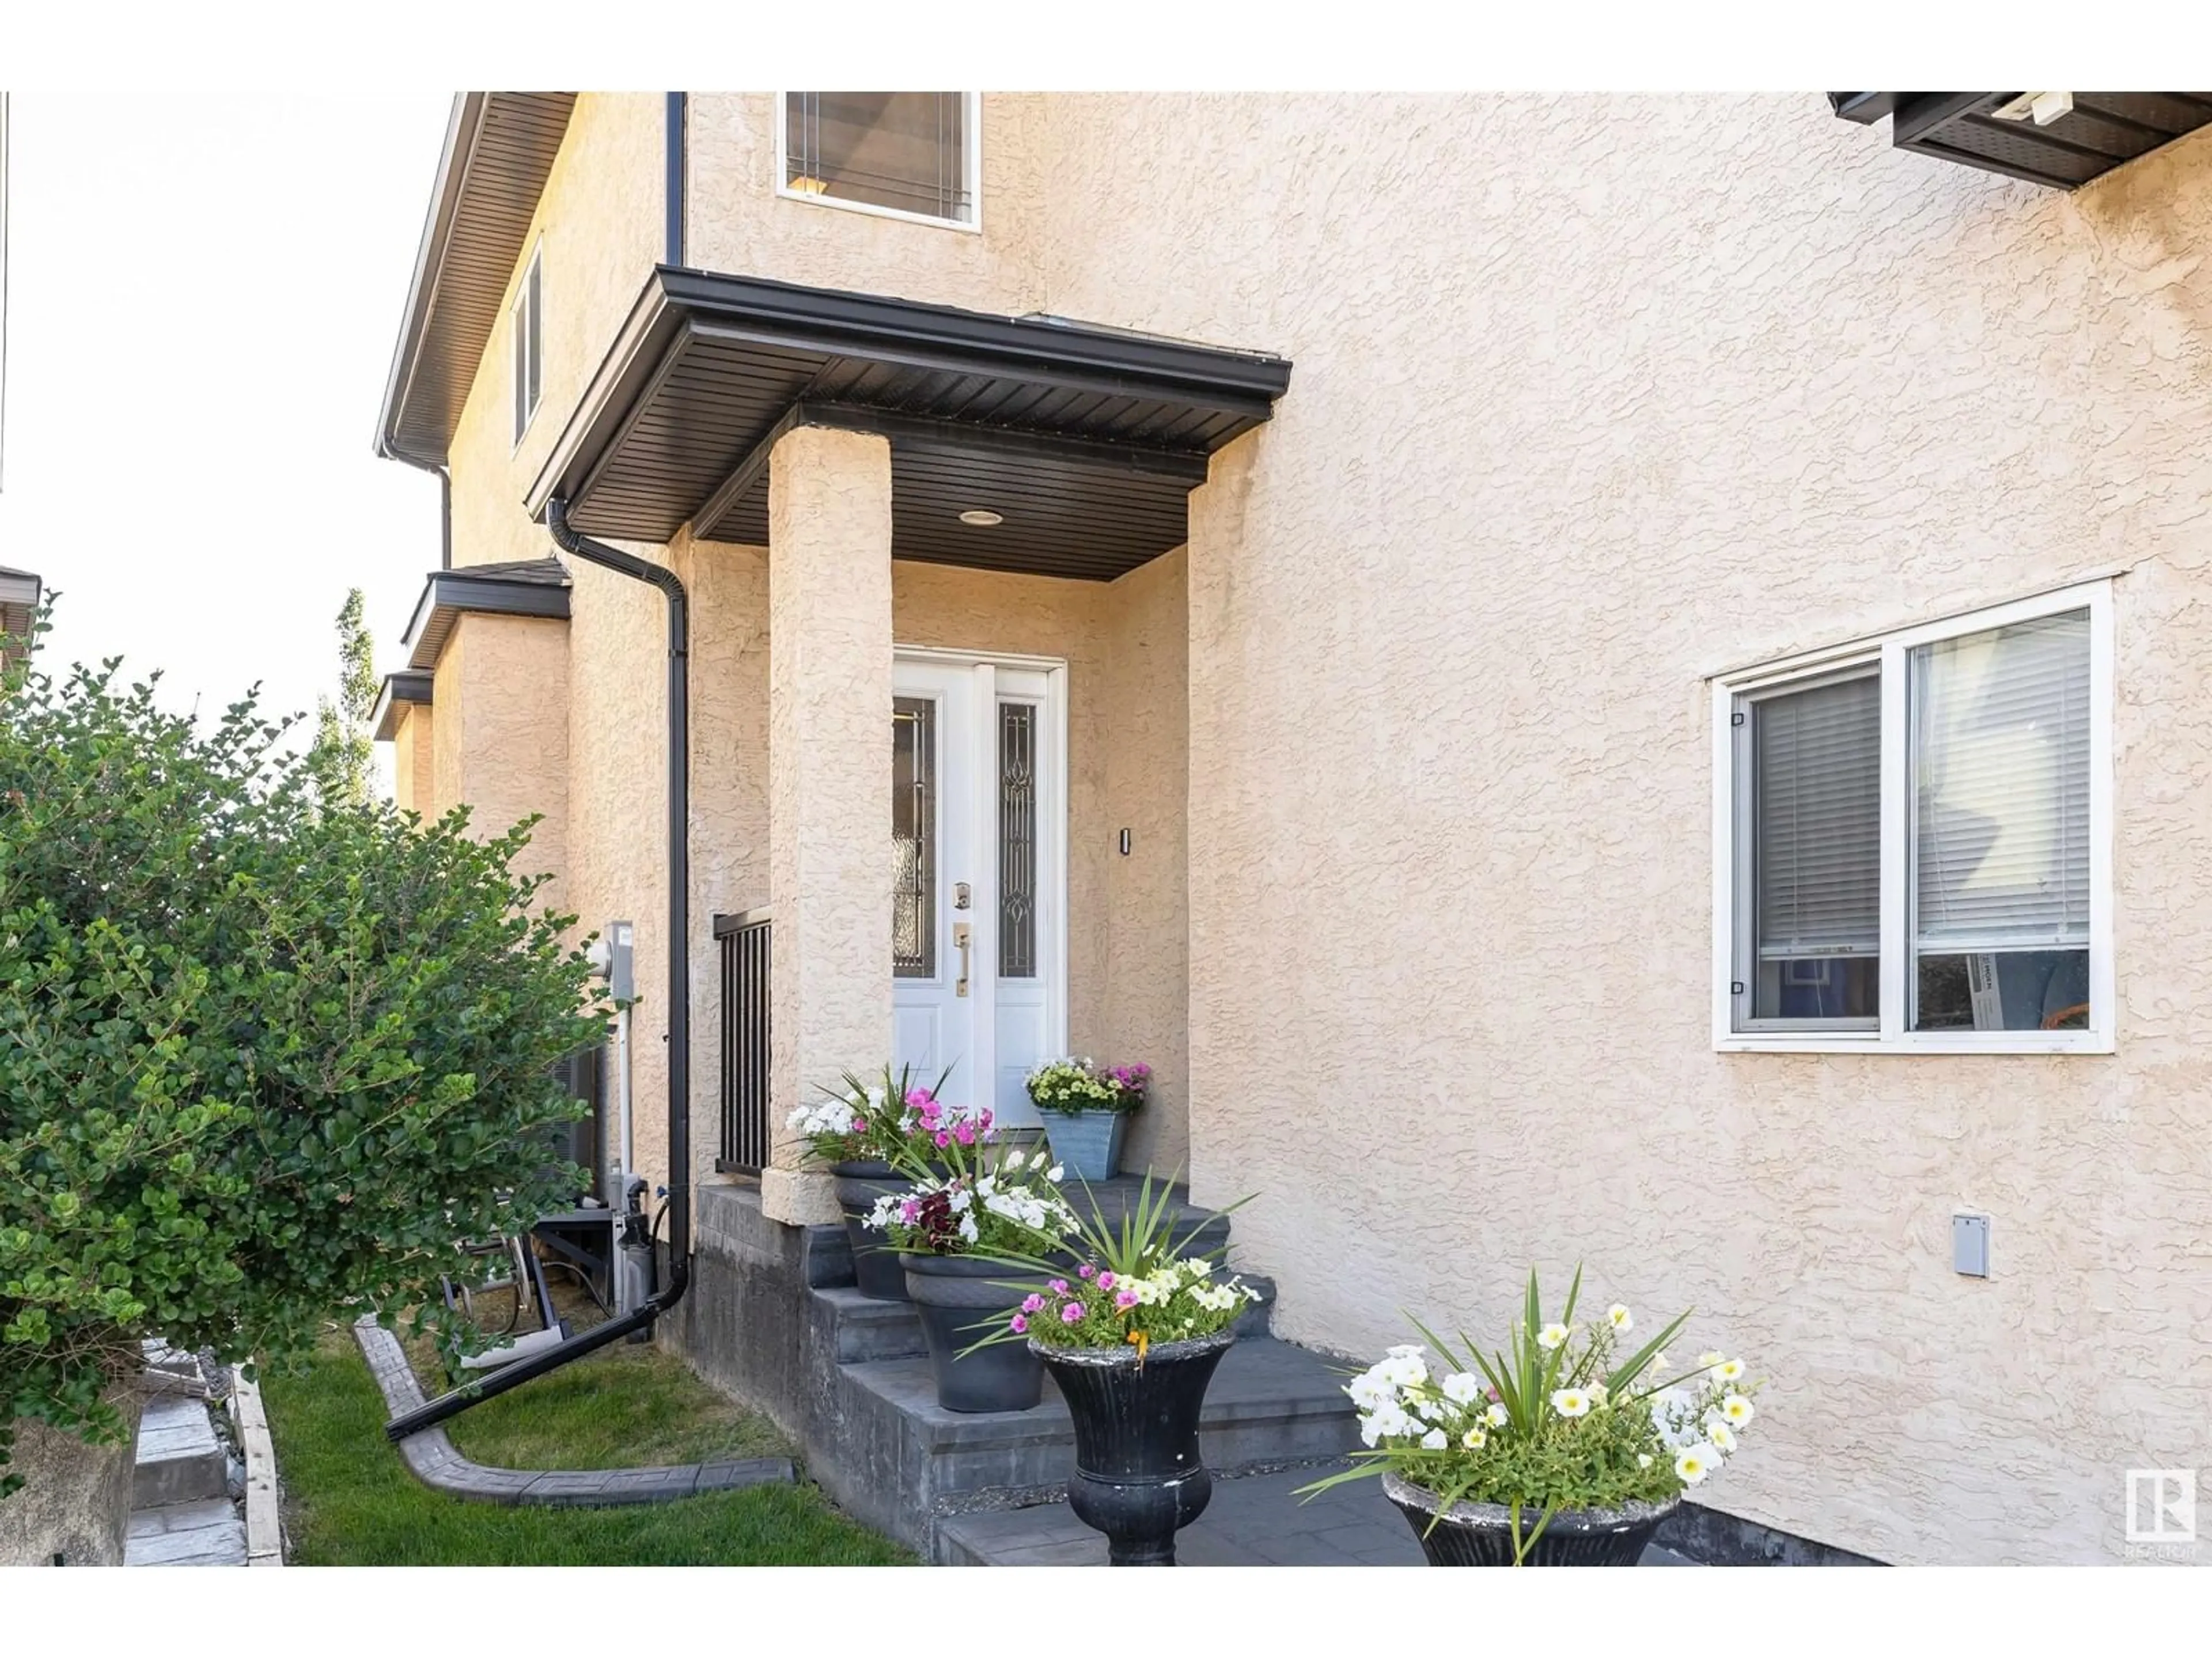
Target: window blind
<point>1816,838</point>
<point>2001,774</point>
<point>896,149</point>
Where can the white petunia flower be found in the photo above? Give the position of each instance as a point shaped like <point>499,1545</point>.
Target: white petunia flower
<point>1711,1359</point>
<point>1722,1436</point>
<point>1620,1318</point>
<point>1695,1463</point>
<point>1552,1336</point>
<point>1729,1370</point>
<point>1499,1416</point>
<point>1737,1410</point>
<point>1644,1460</point>
<point>1474,1439</point>
<point>1055,1173</point>
<point>1433,1440</point>
<point>1571,1402</point>
<point>1463,1388</point>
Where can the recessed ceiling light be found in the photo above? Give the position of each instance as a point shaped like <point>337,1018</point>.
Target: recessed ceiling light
<point>976,515</point>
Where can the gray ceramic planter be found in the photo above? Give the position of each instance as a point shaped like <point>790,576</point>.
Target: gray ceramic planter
<point>875,1267</point>
<point>1482,1535</point>
<point>960,1299</point>
<point>1088,1144</point>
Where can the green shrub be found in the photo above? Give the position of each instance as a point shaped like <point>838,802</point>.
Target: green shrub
<point>263,1055</point>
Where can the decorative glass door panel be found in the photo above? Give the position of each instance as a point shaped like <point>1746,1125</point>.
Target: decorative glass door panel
<point>978,873</point>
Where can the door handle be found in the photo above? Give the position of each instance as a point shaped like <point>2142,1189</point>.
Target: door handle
<point>960,940</point>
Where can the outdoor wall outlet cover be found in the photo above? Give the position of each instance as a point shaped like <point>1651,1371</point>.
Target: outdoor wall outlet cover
<point>1970,1244</point>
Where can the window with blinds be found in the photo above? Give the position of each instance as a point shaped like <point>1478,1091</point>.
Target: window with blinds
<point>1929,812</point>
<point>529,348</point>
<point>907,153</point>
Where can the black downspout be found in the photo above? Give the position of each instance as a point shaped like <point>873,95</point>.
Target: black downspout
<point>678,121</point>
<point>679,1007</point>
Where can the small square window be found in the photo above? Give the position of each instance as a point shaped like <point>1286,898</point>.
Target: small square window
<point>906,155</point>
<point>529,353</point>
<point>1915,842</point>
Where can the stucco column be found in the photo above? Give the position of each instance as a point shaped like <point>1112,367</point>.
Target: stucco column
<point>830,760</point>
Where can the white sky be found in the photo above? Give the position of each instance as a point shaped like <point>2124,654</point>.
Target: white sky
<point>203,296</point>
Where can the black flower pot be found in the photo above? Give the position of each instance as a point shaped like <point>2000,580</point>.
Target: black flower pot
<point>860,1182</point>
<point>1137,1477</point>
<point>1482,1535</point>
<point>960,1299</point>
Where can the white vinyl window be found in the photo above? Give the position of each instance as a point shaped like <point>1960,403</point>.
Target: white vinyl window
<point>529,347</point>
<point>901,154</point>
<point>1913,839</point>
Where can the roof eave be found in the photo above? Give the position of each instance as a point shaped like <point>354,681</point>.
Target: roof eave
<point>461,128</point>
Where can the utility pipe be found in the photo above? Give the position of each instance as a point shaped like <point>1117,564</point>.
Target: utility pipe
<point>679,1006</point>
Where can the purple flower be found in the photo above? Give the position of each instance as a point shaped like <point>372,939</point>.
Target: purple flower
<point>1021,1324</point>
<point>965,1134</point>
<point>1125,1299</point>
<point>943,1139</point>
<point>1032,1303</point>
<point>1086,1271</point>
<point>1105,1281</point>
<point>1058,1287</point>
<point>1072,1314</point>
<point>909,1211</point>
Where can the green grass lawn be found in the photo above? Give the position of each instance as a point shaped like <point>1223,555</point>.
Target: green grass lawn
<point>349,1500</point>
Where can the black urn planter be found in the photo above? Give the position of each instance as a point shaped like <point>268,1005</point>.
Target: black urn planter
<point>959,1300</point>
<point>1138,1478</point>
<point>1482,1535</point>
<point>860,1183</point>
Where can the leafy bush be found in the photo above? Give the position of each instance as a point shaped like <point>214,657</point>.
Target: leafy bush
<point>263,1055</point>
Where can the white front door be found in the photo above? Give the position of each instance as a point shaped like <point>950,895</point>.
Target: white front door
<point>979,816</point>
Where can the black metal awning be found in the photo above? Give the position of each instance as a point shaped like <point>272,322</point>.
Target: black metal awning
<point>1084,441</point>
<point>2095,132</point>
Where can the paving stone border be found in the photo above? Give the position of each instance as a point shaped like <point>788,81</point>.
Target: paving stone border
<point>431,1457</point>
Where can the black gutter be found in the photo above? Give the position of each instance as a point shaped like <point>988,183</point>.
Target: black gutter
<point>679,1007</point>
<point>679,121</point>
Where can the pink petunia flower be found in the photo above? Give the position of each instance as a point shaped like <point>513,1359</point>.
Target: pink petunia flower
<point>1058,1286</point>
<point>1032,1303</point>
<point>1124,1300</point>
<point>1086,1271</point>
<point>1072,1314</point>
<point>943,1139</point>
<point>965,1134</point>
<point>1105,1281</point>
<point>1020,1324</point>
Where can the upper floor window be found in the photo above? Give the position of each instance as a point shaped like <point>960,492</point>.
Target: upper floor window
<point>908,154</point>
<point>1914,839</point>
<point>528,347</point>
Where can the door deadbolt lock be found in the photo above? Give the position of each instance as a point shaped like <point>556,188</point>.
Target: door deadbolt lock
<point>960,896</point>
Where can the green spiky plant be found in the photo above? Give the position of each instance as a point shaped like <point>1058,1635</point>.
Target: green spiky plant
<point>1545,1424</point>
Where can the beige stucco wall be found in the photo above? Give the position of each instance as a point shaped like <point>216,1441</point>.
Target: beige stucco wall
<point>599,229</point>
<point>735,221</point>
<point>500,743</point>
<point>414,761</point>
<point>1660,387</point>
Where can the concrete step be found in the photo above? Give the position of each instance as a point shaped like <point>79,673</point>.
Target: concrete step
<point>179,1459</point>
<point>207,1532</point>
<point>1270,1403</point>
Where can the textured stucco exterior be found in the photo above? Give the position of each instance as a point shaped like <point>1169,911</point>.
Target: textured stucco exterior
<point>414,761</point>
<point>499,744</point>
<point>1413,740</point>
<point>829,760</point>
<point>1691,382</point>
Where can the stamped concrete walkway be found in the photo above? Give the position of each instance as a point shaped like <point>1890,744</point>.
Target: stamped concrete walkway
<point>1254,1520</point>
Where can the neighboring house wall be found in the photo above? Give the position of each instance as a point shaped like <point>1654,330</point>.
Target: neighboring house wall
<point>1658,388</point>
<point>599,225</point>
<point>500,743</point>
<point>414,762</point>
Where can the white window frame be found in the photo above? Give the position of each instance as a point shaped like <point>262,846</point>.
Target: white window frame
<point>971,166</point>
<point>529,296</point>
<point>1732,807</point>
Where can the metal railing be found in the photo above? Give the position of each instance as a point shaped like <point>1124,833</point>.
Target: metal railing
<point>747,963</point>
